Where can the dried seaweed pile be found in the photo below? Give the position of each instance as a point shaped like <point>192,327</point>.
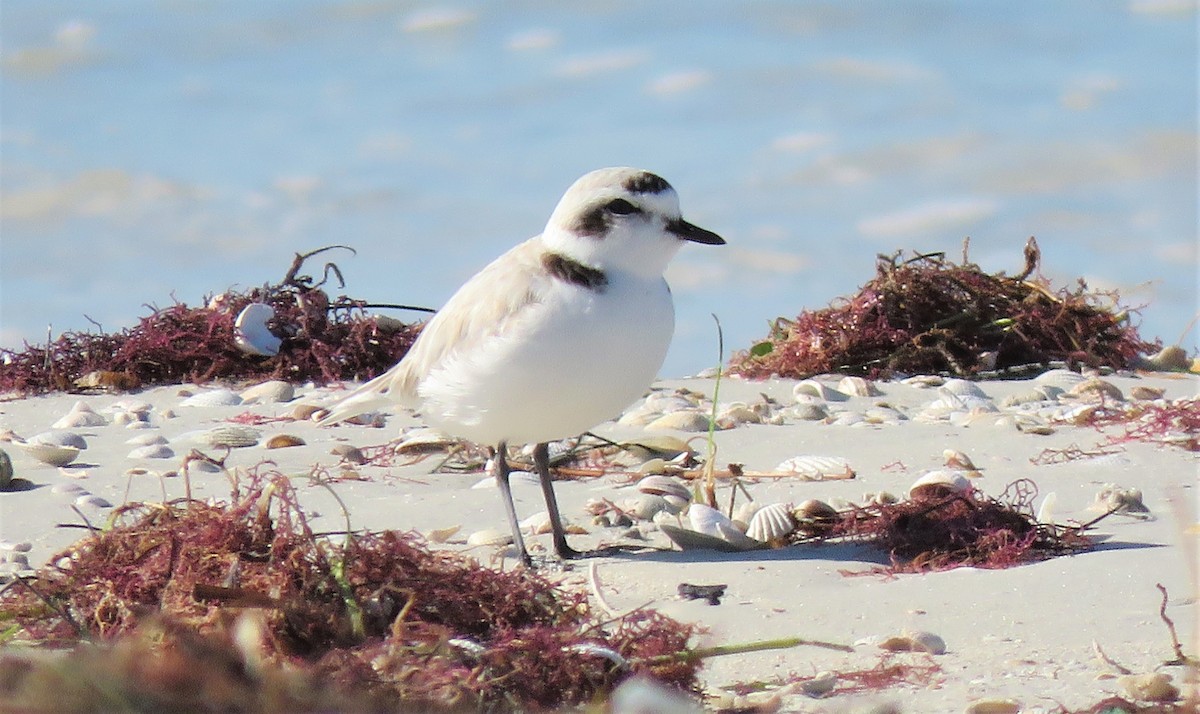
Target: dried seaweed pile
<point>323,341</point>
<point>381,616</point>
<point>927,315</point>
<point>942,529</point>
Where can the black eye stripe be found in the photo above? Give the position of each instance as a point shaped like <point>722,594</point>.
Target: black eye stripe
<point>621,207</point>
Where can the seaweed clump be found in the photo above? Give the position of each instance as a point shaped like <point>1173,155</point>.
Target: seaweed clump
<point>189,590</point>
<point>928,315</point>
<point>322,340</point>
<point>940,529</point>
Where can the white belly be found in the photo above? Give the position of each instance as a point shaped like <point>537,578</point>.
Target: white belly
<point>578,360</point>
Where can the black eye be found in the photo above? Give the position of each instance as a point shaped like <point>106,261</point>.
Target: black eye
<point>621,207</point>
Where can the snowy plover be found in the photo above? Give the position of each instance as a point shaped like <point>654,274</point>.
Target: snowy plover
<point>556,335</point>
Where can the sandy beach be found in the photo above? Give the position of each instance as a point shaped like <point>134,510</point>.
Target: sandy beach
<point>1025,635</point>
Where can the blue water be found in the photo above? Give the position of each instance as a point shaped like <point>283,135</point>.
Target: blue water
<point>152,151</point>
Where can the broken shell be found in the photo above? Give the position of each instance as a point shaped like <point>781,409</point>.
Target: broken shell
<point>272,391</point>
<point>1150,687</point>
<point>815,517</point>
<point>1096,389</point>
<point>490,536</point>
<point>858,387</point>
<point>152,451</point>
<point>283,441</point>
<point>665,486</point>
<point>51,454</point>
<point>817,467</point>
<point>233,436</point>
<point>346,452</point>
<point>772,524</point>
<point>80,415</point>
<point>212,398</point>
<point>1145,393</point>
<point>441,535</point>
<point>939,484</point>
<point>683,420</point>
<point>251,332</point>
<point>803,391</point>
<point>59,437</point>
<point>958,460</point>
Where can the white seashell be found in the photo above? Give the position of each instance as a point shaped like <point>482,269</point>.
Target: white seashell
<point>708,520</point>
<point>537,524</point>
<point>91,500</point>
<point>810,411</point>
<point>51,454</point>
<point>152,451</point>
<point>59,437</point>
<point>235,436</point>
<point>148,439</point>
<point>80,415</point>
<point>638,416</point>
<point>962,388</point>
<point>423,440</point>
<point>132,406</point>
<point>924,381</point>
<point>847,418</point>
<point>251,333</point>
<point>1041,393</point>
<point>772,523</point>
<point>939,483</point>
<point>273,391</point>
<point>663,402</point>
<point>745,512</point>
<point>956,459</point>
<point>212,398</point>
<point>882,414</point>
<point>927,642</point>
<point>858,387</point>
<point>665,486</point>
<point>490,536</point>
<point>817,467</point>
<point>684,420</point>
<point>1045,512</point>
<point>813,388</point>
<point>645,507</point>
<point>1064,379</point>
<point>1122,500</point>
<point>1096,390</point>
<point>736,414</point>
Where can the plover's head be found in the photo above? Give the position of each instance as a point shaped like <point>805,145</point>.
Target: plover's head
<point>622,218</point>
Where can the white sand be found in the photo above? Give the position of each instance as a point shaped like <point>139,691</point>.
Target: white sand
<point>1023,633</point>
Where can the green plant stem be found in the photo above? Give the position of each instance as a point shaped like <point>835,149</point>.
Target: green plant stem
<point>782,643</point>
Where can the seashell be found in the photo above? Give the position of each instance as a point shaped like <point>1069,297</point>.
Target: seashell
<point>235,436</point>
<point>251,332</point>
<point>638,416</point>
<point>1096,389</point>
<point>883,414</point>
<point>60,437</point>
<point>272,391</point>
<point>1144,393</point>
<point>537,524</point>
<point>1149,687</point>
<point>1064,379</point>
<point>423,440</point>
<point>80,415</point>
<point>815,517</point>
<point>653,466</point>
<point>993,706</point>
<point>1120,500</point>
<point>914,642</point>
<point>817,467</point>
<point>688,539</point>
<point>858,387</point>
<point>51,454</point>
<point>441,535</point>
<point>772,524</point>
<point>665,486</point>
<point>924,381</point>
<point>736,414</point>
<point>306,412</point>
<point>1041,393</point>
<point>91,500</point>
<point>708,520</point>
<point>847,419</point>
<point>1169,359</point>
<point>663,401</point>
<point>821,684</point>
<point>745,512</point>
<point>152,451</point>
<point>349,453</point>
<point>810,411</point>
<point>962,388</point>
<point>146,440</point>
<point>212,398</point>
<point>283,441</point>
<point>661,446</point>
<point>1045,512</point>
<point>645,506</point>
<point>956,459</point>
<point>6,470</point>
<point>490,536</point>
<point>812,388</point>
<point>18,547</point>
<point>683,420</point>
<point>136,407</point>
<point>939,484</point>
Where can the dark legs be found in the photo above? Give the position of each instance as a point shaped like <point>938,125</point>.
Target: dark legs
<point>500,466</point>
<point>541,463</point>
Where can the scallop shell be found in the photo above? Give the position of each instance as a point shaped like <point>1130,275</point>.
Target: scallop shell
<point>1096,389</point>
<point>812,388</point>
<point>251,333</point>
<point>962,388</point>
<point>772,523</point>
<point>683,420</point>
<point>80,415</point>
<point>938,484</point>
<point>235,436</point>
<point>1064,379</point>
<point>664,486</point>
<point>814,517</point>
<point>152,451</point>
<point>490,536</point>
<point>60,437</point>
<point>858,387</point>
<point>817,467</point>
<point>212,398</point>
<point>283,441</point>
<point>51,454</point>
<point>273,391</point>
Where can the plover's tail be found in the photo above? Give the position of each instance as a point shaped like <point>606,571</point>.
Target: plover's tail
<point>373,395</point>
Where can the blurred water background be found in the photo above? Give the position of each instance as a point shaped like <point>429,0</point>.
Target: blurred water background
<point>153,151</point>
